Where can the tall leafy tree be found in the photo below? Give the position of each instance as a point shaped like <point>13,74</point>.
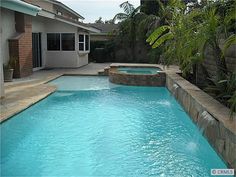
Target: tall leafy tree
<point>188,34</point>
<point>153,7</point>
<point>129,16</point>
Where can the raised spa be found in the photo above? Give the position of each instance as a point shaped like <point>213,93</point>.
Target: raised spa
<point>137,76</point>
<point>138,70</point>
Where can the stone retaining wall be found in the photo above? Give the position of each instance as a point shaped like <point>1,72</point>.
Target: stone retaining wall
<point>208,114</point>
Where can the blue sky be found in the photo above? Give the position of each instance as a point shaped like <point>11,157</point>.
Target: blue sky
<point>91,10</point>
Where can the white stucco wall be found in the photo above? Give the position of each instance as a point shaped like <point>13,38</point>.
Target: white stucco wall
<point>62,59</point>
<point>58,59</point>
<point>83,59</point>
<point>8,31</point>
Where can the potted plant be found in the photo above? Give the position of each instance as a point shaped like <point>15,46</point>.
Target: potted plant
<point>9,69</point>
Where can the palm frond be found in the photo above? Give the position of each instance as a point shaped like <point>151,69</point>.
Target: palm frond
<point>127,7</point>
<point>120,16</point>
<point>228,42</point>
<point>157,33</point>
<point>162,39</point>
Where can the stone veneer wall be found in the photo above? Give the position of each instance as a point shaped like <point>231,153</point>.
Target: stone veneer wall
<point>208,114</point>
<point>137,80</point>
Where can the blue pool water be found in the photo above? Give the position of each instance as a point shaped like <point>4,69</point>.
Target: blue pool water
<point>138,70</point>
<point>105,130</point>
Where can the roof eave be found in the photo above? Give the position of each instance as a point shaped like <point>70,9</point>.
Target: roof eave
<point>77,25</point>
<point>20,6</point>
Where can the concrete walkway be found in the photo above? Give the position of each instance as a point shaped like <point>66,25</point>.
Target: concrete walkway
<point>46,75</point>
<point>24,92</point>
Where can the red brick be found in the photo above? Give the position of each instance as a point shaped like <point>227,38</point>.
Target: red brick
<point>21,48</point>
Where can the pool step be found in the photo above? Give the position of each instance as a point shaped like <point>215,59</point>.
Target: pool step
<point>104,72</point>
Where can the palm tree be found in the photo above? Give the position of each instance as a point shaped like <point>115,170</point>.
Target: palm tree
<point>129,15</point>
<point>129,11</point>
<point>192,33</point>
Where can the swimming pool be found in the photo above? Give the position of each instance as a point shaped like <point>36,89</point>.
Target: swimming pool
<point>90,127</point>
<point>138,70</point>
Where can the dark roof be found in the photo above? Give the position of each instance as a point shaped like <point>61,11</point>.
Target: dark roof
<point>104,27</point>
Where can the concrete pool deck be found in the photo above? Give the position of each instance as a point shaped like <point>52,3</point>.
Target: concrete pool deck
<point>24,92</point>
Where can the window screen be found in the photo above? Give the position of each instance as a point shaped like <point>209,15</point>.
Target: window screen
<point>68,41</point>
<point>53,41</point>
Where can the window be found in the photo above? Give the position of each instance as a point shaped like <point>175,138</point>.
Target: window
<point>53,41</point>
<point>68,41</point>
<point>87,42</point>
<point>83,42</point>
<point>64,41</point>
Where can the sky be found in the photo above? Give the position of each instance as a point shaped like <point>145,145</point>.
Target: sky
<point>91,10</point>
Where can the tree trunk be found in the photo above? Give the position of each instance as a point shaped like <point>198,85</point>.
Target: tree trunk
<point>220,60</point>
<point>133,39</point>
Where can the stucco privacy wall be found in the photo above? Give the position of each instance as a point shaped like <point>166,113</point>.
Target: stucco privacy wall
<point>210,116</point>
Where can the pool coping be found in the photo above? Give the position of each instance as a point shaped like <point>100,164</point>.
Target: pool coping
<point>23,104</point>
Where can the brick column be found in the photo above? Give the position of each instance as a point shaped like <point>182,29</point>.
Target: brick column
<point>20,47</point>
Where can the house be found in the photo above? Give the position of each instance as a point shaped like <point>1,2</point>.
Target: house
<point>106,31</point>
<point>42,34</point>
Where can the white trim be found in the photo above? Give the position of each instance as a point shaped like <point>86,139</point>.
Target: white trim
<point>74,24</point>
<point>84,42</point>
<point>102,34</point>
